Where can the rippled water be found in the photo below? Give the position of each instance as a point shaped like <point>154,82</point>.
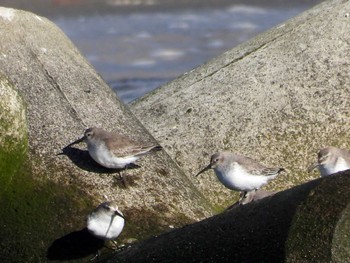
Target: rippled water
<point>138,52</point>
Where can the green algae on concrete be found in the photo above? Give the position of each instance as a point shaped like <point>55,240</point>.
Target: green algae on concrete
<point>318,227</point>
<point>341,239</point>
<point>33,212</point>
<point>13,131</point>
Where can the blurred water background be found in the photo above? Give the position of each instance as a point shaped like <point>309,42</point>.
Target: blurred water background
<point>138,45</point>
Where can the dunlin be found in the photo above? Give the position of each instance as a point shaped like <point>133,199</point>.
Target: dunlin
<point>114,150</point>
<point>106,221</point>
<point>331,160</point>
<point>240,173</point>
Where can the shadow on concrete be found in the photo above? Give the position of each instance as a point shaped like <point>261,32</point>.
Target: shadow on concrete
<point>83,160</point>
<point>282,227</point>
<point>75,245</point>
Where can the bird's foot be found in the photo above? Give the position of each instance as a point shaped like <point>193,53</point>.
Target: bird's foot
<point>120,179</point>
<point>113,245</point>
<point>97,256</point>
<point>242,197</point>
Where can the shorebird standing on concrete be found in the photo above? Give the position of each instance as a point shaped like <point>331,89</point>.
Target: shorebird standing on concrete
<point>113,150</point>
<point>331,160</point>
<point>240,173</point>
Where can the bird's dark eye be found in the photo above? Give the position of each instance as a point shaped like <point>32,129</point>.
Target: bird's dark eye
<point>88,134</point>
<point>323,158</point>
<point>106,206</point>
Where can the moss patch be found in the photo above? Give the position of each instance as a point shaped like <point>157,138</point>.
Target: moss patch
<point>316,219</point>
<point>33,213</point>
<point>341,240</point>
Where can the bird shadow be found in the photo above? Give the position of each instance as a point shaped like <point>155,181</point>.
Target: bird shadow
<point>75,245</point>
<point>83,160</point>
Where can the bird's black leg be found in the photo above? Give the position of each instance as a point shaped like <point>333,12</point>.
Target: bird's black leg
<point>121,178</point>
<point>242,195</point>
<point>98,254</point>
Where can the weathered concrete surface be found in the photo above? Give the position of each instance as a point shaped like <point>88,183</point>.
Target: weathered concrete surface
<point>13,125</point>
<point>63,95</point>
<point>295,225</point>
<point>277,98</point>
<point>13,150</point>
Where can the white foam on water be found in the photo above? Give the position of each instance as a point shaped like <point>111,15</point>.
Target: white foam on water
<point>216,43</point>
<point>179,25</point>
<point>143,63</point>
<point>244,9</point>
<point>243,25</point>
<point>143,35</point>
<point>168,53</point>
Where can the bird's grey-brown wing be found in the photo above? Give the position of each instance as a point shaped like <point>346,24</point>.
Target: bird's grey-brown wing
<point>254,167</point>
<point>122,146</point>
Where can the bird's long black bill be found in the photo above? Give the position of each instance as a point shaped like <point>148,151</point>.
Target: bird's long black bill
<point>119,214</point>
<point>76,142</point>
<point>312,167</point>
<point>205,169</point>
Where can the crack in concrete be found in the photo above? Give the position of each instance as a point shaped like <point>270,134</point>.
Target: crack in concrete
<point>54,83</point>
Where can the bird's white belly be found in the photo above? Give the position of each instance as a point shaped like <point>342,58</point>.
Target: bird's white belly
<point>340,165</point>
<point>105,227</point>
<point>239,180</point>
<point>105,158</point>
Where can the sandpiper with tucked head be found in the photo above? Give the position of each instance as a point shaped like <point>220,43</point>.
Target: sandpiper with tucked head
<point>331,160</point>
<point>240,173</point>
<point>106,221</point>
<point>113,150</point>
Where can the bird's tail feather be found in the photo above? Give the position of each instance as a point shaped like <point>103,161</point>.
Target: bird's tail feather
<point>156,148</point>
<point>150,149</point>
<point>276,173</point>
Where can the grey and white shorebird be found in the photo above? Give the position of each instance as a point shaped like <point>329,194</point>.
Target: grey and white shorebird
<point>113,150</point>
<point>106,221</point>
<point>240,173</point>
<point>331,160</point>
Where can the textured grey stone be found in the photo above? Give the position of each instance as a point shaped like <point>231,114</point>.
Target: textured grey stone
<point>295,225</point>
<point>13,125</point>
<point>63,95</point>
<point>277,98</point>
